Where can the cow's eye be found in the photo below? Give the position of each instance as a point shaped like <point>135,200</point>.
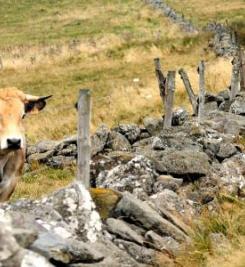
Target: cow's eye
<point>23,116</point>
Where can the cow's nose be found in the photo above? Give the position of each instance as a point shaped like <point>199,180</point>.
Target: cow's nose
<point>13,143</point>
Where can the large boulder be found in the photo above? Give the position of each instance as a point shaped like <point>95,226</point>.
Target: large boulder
<point>69,212</point>
<point>186,163</point>
<point>140,212</point>
<point>137,176</point>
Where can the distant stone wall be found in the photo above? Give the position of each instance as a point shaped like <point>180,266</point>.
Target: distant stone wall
<point>174,16</point>
<point>224,42</point>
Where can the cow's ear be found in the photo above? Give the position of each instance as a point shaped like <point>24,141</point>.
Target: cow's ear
<point>34,104</point>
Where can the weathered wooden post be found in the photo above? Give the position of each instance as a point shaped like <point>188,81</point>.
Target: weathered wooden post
<point>160,78</point>
<point>201,71</point>
<point>83,138</point>
<point>235,78</point>
<point>242,69</point>
<point>1,63</point>
<point>169,99</point>
<point>188,87</point>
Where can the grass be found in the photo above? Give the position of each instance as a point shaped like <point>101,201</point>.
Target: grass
<point>57,47</point>
<point>203,12</point>
<point>50,48</point>
<point>42,179</point>
<point>229,221</point>
<point>230,13</point>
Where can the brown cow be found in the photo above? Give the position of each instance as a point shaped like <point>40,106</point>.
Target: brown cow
<point>14,105</point>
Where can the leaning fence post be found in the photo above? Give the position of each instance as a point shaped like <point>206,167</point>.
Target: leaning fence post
<point>1,63</point>
<point>83,139</point>
<point>242,69</point>
<point>235,78</point>
<point>160,78</point>
<point>169,99</point>
<point>191,95</point>
<point>201,71</point>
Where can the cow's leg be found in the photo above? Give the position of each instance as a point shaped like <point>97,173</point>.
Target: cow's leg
<point>7,187</point>
<point>11,173</point>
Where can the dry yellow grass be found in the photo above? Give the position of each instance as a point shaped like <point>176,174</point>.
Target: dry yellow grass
<point>113,55</point>
<point>233,258</point>
<point>202,12</point>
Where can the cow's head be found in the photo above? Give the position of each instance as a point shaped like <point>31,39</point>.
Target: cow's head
<point>14,106</point>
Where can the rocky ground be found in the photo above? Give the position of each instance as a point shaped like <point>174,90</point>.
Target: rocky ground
<point>150,185</point>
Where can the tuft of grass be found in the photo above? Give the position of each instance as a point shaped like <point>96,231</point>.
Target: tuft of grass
<point>229,220</point>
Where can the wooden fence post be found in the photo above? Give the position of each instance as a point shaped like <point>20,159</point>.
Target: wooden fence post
<point>242,69</point>
<point>191,95</point>
<point>1,63</point>
<point>169,99</point>
<point>201,71</point>
<point>160,78</point>
<point>83,139</point>
<point>235,78</point>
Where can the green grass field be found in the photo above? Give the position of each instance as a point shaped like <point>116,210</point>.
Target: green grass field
<point>58,47</point>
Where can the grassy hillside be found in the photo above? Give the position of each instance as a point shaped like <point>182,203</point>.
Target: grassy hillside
<point>57,48</point>
<point>50,47</point>
<point>202,12</point>
<point>231,13</point>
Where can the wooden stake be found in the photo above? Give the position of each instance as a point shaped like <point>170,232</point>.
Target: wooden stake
<point>169,99</point>
<point>242,69</point>
<point>160,78</point>
<point>201,71</point>
<point>83,139</point>
<point>188,87</point>
<point>235,78</point>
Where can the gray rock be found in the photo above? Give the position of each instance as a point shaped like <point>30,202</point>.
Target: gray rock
<point>32,259</point>
<point>164,243</point>
<point>226,150</point>
<point>168,200</point>
<point>114,256</point>
<point>25,237</point>
<point>153,125</point>
<point>61,161</point>
<point>157,144</point>
<point>139,253</point>
<point>46,145</point>
<point>122,230</point>
<point>69,151</point>
<point>40,157</point>
<point>137,177</point>
<point>99,139</point>
<point>179,117</point>
<point>229,123</point>
<point>64,251</point>
<point>167,182</point>
<point>69,212</point>
<point>130,131</point>
<point>210,106</point>
<point>142,213</point>
<point>186,163</point>
<point>8,245</point>
<point>31,149</point>
<point>118,142</point>
<point>231,174</point>
<point>238,107</point>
